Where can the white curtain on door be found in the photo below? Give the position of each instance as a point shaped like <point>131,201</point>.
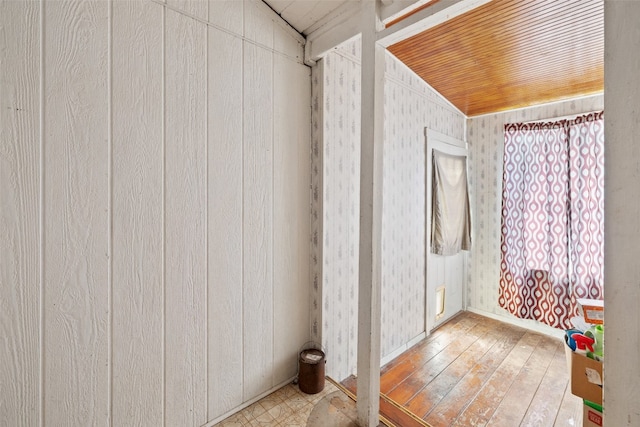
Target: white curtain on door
<point>451,218</point>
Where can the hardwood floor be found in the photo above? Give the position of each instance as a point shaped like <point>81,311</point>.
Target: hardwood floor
<point>476,371</point>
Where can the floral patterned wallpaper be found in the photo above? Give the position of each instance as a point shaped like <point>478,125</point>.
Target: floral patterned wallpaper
<point>410,106</point>
<point>486,141</point>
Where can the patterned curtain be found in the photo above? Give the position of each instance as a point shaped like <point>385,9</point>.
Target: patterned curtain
<point>552,242</point>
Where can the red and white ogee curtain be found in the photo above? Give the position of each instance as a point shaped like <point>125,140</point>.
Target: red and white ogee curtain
<point>552,242</point>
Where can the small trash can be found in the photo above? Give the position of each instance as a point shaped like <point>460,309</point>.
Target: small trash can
<point>311,364</point>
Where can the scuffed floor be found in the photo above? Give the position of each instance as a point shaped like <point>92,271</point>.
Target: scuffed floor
<point>334,410</point>
<point>289,407</point>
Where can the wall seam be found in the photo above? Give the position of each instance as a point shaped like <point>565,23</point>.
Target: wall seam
<point>273,195</point>
<point>231,33</point>
<point>110,211</point>
<point>164,207</point>
<point>206,156</point>
<point>42,216</point>
<point>242,263</point>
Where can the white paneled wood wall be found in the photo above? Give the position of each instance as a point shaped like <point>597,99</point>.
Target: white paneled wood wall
<point>154,209</point>
<point>622,209</point>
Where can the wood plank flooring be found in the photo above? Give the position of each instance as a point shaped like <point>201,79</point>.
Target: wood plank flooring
<point>477,371</point>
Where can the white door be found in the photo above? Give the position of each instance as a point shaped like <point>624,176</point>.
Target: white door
<point>445,275</point>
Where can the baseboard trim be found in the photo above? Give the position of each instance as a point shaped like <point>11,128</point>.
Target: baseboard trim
<point>397,352</point>
<point>531,325</point>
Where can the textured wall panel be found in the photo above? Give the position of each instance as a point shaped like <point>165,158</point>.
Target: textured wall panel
<point>622,209</point>
<point>258,221</point>
<point>20,210</point>
<point>76,213</point>
<point>291,87</point>
<point>148,219</point>
<point>137,214</point>
<point>225,222</point>
<point>186,205</point>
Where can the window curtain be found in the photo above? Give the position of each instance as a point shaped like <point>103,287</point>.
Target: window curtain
<point>552,244</point>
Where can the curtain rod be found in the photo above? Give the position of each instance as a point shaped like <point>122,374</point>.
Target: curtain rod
<point>557,119</point>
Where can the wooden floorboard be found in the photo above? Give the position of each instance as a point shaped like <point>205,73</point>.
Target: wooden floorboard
<point>466,390</point>
<point>405,391</point>
<point>517,400</point>
<point>393,413</point>
<point>546,402</point>
<point>433,392</point>
<point>476,371</point>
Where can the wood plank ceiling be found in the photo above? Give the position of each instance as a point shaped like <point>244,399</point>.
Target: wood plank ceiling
<point>509,54</point>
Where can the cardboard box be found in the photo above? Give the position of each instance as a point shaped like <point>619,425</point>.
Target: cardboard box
<point>591,417</point>
<point>592,310</point>
<point>586,377</point>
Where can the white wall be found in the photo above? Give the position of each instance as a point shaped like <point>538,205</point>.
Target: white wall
<point>154,209</point>
<point>485,135</point>
<point>410,106</point>
<point>622,210</point>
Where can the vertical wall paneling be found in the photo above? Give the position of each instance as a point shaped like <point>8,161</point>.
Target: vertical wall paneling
<point>225,198</point>
<point>196,8</point>
<point>258,27</point>
<point>227,14</point>
<point>290,231</point>
<point>137,213</point>
<point>258,220</point>
<point>622,208</point>
<point>76,217</point>
<point>185,221</point>
<point>154,209</point>
<point>20,206</point>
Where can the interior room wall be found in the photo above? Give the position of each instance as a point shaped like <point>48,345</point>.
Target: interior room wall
<point>485,135</point>
<point>622,210</point>
<point>410,106</point>
<point>154,209</point>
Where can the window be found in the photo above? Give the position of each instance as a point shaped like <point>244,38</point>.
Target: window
<point>552,245</point>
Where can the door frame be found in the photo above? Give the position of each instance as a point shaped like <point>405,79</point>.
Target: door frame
<point>449,145</point>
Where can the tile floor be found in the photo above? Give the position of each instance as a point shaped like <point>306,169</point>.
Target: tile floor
<point>286,407</point>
